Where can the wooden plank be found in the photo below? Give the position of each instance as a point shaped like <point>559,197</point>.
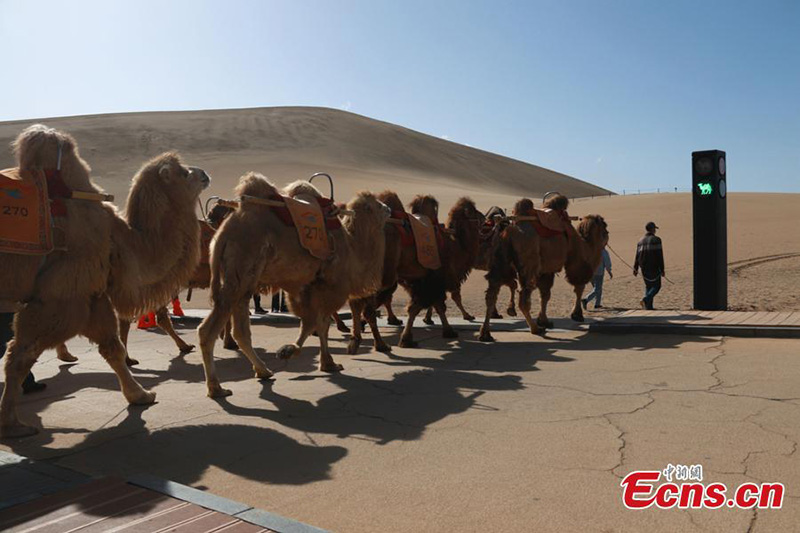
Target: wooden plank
<point>783,317</point>
<point>764,318</point>
<point>793,320</point>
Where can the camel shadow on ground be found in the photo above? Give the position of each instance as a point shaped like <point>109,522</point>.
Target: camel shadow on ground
<point>185,453</point>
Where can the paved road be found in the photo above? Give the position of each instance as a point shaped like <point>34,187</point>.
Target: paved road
<point>526,434</point>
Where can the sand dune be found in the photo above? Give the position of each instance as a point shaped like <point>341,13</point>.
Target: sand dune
<point>361,153</point>
<point>293,142</point>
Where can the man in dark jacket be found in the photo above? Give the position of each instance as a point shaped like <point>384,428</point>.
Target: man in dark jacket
<point>650,258</point>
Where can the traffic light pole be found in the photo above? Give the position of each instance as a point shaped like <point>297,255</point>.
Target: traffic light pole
<point>709,213</point>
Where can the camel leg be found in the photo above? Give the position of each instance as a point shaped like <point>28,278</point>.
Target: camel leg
<point>447,330</point>
<point>456,295</point>
<point>103,329</point>
<point>545,284</point>
<point>241,332</point>
<point>356,309</point>
<point>512,289</point>
<point>372,320</point>
<point>207,332</point>
<point>428,319</point>
<point>306,329</point>
<point>407,338</point>
<point>63,354</point>
<point>19,361</point>
<point>228,341</point>
<point>577,309</point>
<point>391,318</point>
<point>326,363</point>
<point>491,306</point>
<point>165,323</point>
<point>341,326</point>
<point>124,331</point>
<point>525,307</point>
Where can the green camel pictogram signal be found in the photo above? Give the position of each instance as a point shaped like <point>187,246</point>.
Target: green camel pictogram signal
<point>705,189</point>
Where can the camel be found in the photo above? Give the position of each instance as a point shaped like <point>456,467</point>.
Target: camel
<point>578,253</point>
<point>514,253</point>
<point>426,288</point>
<point>111,265</point>
<point>200,280</point>
<point>255,248</point>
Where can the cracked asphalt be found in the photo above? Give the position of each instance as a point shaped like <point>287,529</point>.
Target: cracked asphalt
<point>526,434</point>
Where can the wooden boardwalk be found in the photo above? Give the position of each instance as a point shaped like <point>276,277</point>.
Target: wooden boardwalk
<point>43,498</point>
<point>732,323</point>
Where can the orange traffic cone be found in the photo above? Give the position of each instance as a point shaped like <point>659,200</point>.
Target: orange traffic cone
<point>176,307</point>
<point>147,321</point>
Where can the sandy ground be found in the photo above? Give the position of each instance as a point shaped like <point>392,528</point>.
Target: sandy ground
<point>527,434</point>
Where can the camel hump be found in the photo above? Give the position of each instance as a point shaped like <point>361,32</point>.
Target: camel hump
<point>25,226</point>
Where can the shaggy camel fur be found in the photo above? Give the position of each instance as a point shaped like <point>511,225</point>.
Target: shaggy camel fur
<point>425,287</point>
<point>111,264</point>
<point>462,243</point>
<point>254,248</point>
<point>515,255</point>
<point>577,252</point>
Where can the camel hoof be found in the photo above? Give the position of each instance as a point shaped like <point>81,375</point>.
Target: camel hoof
<point>343,328</point>
<point>219,392</point>
<point>496,315</point>
<point>577,317</point>
<point>67,358</point>
<point>486,337</point>
<point>394,321</point>
<point>231,345</point>
<point>449,333</point>
<point>352,346</point>
<point>187,349</point>
<point>408,342</point>
<point>468,317</point>
<point>428,321</point>
<point>17,431</point>
<point>131,362</point>
<point>144,398</point>
<point>287,351</point>
<point>331,369</point>
<point>545,324</point>
<point>383,348</point>
<point>511,312</point>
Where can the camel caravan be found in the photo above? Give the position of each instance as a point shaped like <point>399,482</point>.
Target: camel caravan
<point>73,265</point>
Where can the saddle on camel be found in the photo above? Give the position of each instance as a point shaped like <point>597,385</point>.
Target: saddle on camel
<point>29,199</point>
<point>312,217</point>
<point>423,234</point>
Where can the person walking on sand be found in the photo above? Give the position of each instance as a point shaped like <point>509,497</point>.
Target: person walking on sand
<point>650,258</point>
<point>597,281</point>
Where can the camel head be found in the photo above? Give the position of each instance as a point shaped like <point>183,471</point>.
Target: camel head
<point>164,183</point>
<point>425,205</point>
<point>368,209</point>
<point>391,199</point>
<point>43,148</point>
<point>464,210</point>
<point>593,228</point>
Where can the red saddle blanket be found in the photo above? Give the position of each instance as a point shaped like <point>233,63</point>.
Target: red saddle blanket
<point>25,224</point>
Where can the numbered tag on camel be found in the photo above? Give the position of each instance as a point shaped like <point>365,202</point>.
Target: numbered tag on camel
<point>310,224</point>
<point>24,213</point>
<point>425,239</point>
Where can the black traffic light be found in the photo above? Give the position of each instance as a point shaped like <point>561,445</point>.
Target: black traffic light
<point>710,215</point>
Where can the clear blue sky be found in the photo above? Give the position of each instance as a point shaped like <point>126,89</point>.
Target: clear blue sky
<point>618,93</point>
